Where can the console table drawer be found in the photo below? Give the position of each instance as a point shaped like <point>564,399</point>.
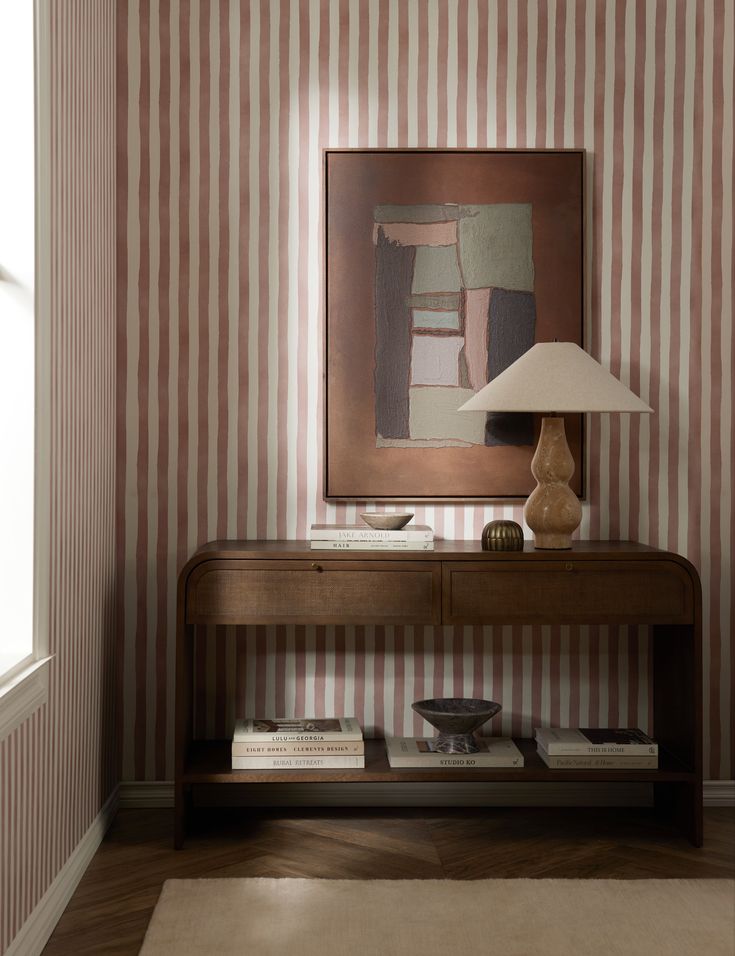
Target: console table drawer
<point>318,592</point>
<point>573,592</point>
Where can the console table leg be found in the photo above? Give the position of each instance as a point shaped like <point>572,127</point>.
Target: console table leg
<point>681,803</point>
<point>181,801</point>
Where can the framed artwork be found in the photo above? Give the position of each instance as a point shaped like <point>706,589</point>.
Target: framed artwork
<point>442,268</point>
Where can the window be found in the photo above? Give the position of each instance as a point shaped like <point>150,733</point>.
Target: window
<point>21,652</point>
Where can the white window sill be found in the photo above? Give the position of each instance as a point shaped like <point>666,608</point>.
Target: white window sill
<point>23,693</point>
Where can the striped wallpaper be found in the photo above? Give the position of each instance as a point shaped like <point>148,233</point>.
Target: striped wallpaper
<point>58,768</point>
<point>223,110</point>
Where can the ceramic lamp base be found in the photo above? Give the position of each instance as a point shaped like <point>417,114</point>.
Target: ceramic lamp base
<point>553,511</point>
<point>552,542</point>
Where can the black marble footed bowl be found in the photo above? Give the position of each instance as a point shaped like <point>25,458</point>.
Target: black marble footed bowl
<point>456,719</point>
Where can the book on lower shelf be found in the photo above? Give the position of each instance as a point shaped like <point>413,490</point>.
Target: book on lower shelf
<point>298,763</point>
<point>595,741</point>
<point>598,761</point>
<point>413,752</point>
<point>300,748</point>
<point>293,729</point>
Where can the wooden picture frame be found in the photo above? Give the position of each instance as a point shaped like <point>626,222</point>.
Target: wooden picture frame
<point>442,267</point>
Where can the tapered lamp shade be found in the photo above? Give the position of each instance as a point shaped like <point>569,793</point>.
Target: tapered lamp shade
<point>554,377</point>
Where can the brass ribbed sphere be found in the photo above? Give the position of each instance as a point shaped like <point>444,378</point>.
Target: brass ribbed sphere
<point>502,536</point>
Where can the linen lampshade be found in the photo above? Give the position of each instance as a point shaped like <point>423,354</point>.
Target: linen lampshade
<point>553,377</point>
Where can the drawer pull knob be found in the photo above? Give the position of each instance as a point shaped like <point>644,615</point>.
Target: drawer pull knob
<point>317,567</point>
<point>569,566</point>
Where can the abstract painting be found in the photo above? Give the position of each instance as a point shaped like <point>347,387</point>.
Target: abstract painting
<point>454,307</point>
<point>443,268</point>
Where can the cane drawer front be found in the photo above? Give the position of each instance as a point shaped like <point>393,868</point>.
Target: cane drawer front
<point>314,592</point>
<point>567,592</point>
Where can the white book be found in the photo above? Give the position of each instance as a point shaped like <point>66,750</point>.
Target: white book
<point>570,741</point>
<point>412,752</point>
<point>298,763</point>
<point>599,761</point>
<point>284,729</point>
<point>372,545</point>
<point>361,532</point>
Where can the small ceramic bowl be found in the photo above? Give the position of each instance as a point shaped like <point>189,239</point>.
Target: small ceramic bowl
<point>386,522</point>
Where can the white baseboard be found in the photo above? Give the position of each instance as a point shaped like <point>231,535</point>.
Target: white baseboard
<point>719,793</point>
<point>160,793</point>
<point>35,932</point>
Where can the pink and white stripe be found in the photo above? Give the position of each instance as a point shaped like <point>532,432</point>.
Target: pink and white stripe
<point>224,109</point>
<point>59,767</point>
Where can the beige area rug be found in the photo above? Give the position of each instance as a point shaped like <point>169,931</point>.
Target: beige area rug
<point>294,917</point>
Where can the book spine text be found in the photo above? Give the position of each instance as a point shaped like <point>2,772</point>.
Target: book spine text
<point>298,763</point>
<point>601,750</point>
<point>350,748</point>
<point>266,738</point>
<point>602,763</point>
<point>372,545</point>
<point>359,535</point>
<point>457,762</point>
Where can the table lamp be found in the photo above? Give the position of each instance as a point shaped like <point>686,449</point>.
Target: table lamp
<point>553,377</point>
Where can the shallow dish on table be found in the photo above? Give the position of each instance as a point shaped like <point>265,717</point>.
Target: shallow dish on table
<point>388,521</point>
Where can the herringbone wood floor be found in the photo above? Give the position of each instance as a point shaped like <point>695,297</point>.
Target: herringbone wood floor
<point>110,910</point>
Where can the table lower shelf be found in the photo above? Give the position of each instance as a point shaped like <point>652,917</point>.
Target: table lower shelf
<point>209,761</point>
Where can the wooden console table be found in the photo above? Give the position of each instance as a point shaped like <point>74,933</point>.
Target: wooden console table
<point>610,582</point>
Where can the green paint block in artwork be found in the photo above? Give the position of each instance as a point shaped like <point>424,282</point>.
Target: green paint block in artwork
<point>423,319</point>
<point>496,246</point>
<point>434,415</point>
<point>436,270</point>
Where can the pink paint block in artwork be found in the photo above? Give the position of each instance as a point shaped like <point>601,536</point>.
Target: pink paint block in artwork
<point>418,233</point>
<point>435,359</point>
<point>477,305</point>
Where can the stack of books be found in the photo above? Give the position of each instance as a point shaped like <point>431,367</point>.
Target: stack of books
<point>412,752</point>
<point>606,748</point>
<point>298,743</point>
<point>360,537</point>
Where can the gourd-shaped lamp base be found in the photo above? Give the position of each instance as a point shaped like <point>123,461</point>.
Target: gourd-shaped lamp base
<point>553,511</point>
